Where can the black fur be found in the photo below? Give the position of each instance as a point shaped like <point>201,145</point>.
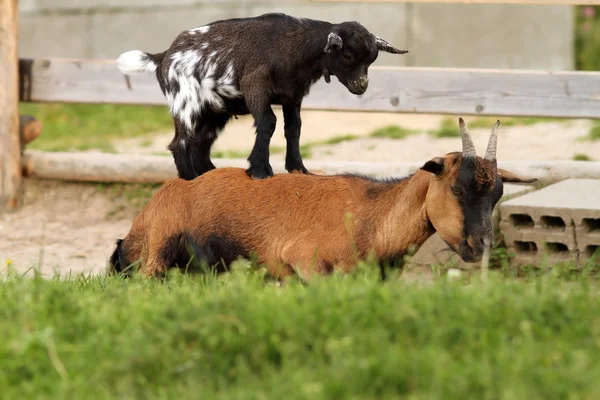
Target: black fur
<point>216,253</point>
<point>476,199</point>
<point>276,58</point>
<point>118,263</point>
<point>380,185</point>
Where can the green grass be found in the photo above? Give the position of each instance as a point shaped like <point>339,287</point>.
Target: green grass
<point>582,157</point>
<point>338,338</point>
<point>229,154</point>
<point>488,122</point>
<point>91,126</point>
<point>587,38</point>
<point>391,132</point>
<point>594,133</point>
<point>306,149</point>
<point>448,128</point>
<point>336,140</point>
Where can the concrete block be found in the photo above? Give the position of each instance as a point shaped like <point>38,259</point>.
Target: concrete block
<point>435,250</point>
<point>588,237</point>
<point>492,36</point>
<point>544,258</point>
<point>560,220</point>
<point>544,238</point>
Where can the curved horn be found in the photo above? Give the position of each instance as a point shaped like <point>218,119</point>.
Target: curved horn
<point>490,153</point>
<point>385,46</point>
<point>467,142</point>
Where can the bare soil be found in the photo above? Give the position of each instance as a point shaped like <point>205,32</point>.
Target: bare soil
<point>63,227</point>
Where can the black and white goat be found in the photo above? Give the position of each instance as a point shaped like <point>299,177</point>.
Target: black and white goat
<point>244,65</point>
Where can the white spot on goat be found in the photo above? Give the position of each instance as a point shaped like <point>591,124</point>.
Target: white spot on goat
<point>203,46</point>
<point>193,85</point>
<point>201,29</point>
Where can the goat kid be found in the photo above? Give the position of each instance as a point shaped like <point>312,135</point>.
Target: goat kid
<point>242,66</point>
<point>294,223</point>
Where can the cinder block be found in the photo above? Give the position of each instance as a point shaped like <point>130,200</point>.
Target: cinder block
<point>588,237</point>
<point>434,250</point>
<point>539,251</point>
<point>562,221</point>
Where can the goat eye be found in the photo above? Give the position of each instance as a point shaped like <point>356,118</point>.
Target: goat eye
<point>346,57</point>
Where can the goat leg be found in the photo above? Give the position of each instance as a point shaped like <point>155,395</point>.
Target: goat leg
<point>265,121</point>
<point>180,147</point>
<point>292,127</point>
<point>207,131</point>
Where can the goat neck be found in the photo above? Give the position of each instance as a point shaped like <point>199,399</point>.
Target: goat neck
<point>402,216</point>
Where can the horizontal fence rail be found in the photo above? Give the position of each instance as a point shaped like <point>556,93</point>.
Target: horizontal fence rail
<point>562,94</point>
<point>99,167</point>
<point>528,2</point>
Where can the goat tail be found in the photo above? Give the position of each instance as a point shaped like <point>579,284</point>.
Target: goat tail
<point>138,61</point>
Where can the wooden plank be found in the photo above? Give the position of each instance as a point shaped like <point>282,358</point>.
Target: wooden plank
<point>10,152</point>
<point>457,91</point>
<point>535,2</point>
<point>98,167</point>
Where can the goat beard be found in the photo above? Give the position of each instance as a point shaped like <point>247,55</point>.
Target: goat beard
<point>327,75</point>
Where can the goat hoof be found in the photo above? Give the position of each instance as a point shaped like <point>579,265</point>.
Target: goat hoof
<point>297,169</point>
<point>258,173</point>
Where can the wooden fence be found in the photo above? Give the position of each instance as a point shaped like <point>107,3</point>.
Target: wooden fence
<point>457,91</point>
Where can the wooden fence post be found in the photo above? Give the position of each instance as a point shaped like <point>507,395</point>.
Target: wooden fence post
<point>10,151</point>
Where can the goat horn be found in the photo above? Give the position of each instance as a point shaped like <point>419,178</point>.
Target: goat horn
<point>385,46</point>
<point>490,153</point>
<point>467,142</point>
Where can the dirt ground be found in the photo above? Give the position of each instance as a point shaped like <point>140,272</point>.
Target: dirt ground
<point>541,141</point>
<point>63,227</point>
<point>73,226</point>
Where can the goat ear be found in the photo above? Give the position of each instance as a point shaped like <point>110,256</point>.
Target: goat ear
<point>383,45</point>
<point>435,166</point>
<point>508,176</point>
<point>333,41</point>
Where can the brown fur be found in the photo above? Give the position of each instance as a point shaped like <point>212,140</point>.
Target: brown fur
<point>297,222</point>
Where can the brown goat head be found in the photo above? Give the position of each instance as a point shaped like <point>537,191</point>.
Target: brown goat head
<point>463,192</point>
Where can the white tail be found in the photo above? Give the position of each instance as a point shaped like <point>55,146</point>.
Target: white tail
<point>135,61</point>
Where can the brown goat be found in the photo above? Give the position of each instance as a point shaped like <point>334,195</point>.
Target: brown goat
<point>296,223</point>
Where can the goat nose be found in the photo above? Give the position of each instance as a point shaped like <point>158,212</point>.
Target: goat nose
<point>363,82</point>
